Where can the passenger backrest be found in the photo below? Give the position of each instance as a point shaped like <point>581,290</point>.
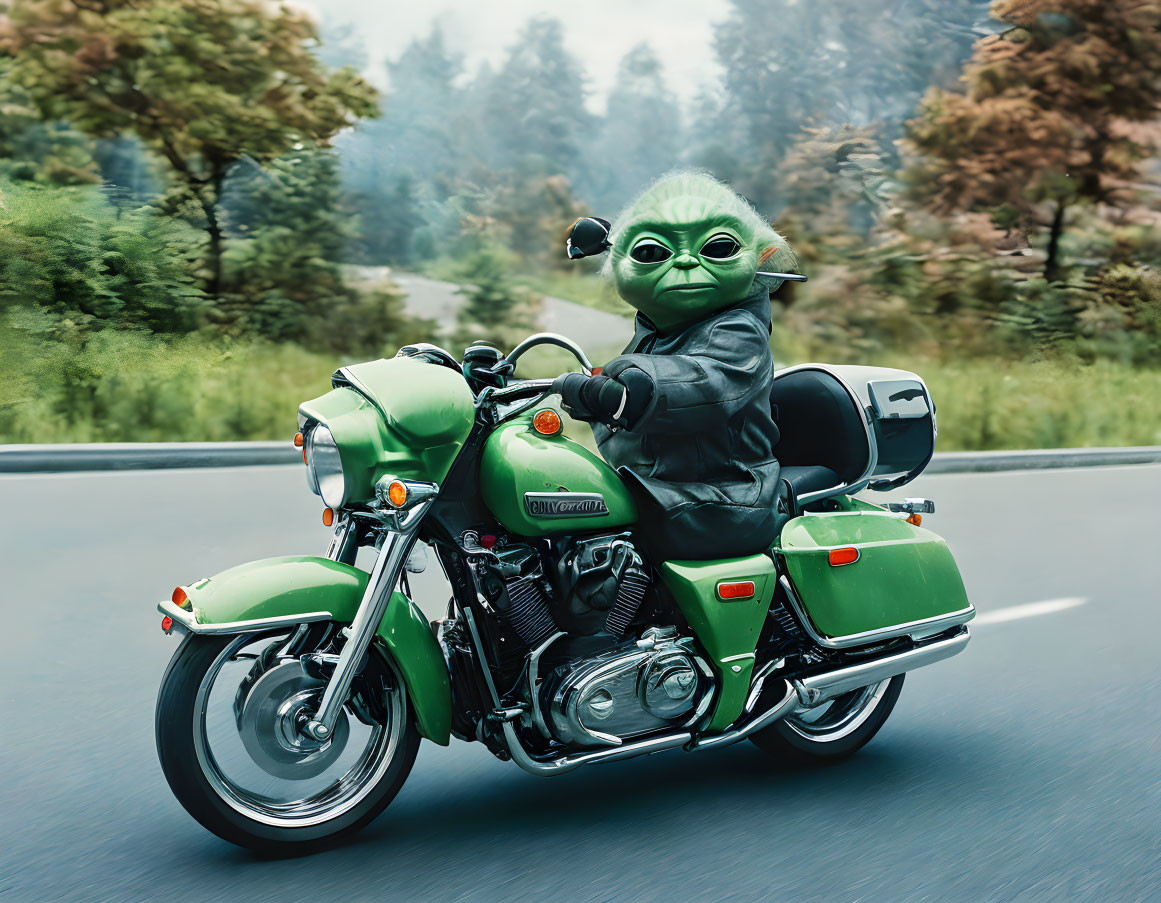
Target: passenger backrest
<point>820,424</point>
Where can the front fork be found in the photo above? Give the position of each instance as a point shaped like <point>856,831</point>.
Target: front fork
<point>393,552</point>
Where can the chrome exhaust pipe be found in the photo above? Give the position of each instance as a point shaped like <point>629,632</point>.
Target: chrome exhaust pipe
<point>820,688</point>
<point>806,692</point>
<point>567,763</point>
<point>520,756</point>
<point>788,704</point>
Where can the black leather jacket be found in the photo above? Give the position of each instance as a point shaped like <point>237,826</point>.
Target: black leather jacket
<point>700,459</point>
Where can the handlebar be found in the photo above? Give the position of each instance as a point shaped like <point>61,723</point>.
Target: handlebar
<point>524,389</point>
<point>549,338</point>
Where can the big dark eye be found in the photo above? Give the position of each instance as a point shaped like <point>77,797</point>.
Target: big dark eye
<point>720,247</point>
<point>649,251</point>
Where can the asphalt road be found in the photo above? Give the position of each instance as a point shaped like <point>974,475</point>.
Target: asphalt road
<point>1028,768</point>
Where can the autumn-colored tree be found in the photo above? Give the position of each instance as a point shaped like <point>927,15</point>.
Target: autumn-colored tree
<point>1044,121</point>
<point>203,83</point>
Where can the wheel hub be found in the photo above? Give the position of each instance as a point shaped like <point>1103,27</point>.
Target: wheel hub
<point>277,707</point>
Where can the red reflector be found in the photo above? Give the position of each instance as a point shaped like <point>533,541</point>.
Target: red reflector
<point>741,590</point>
<point>487,540</point>
<point>179,597</point>
<point>167,623</point>
<point>298,440</point>
<point>843,556</point>
<point>597,371</point>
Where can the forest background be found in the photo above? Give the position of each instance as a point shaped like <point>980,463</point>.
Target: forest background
<point>203,203</point>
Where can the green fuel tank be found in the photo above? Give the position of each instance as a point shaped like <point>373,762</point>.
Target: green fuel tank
<point>539,485</point>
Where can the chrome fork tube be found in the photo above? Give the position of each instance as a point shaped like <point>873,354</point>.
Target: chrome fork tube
<point>377,596</point>
<point>345,535</point>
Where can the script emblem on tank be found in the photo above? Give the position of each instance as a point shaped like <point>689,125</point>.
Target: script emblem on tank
<point>565,504</point>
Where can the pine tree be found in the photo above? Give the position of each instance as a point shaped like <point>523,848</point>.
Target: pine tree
<point>640,134</point>
<point>396,167</point>
<point>534,103</point>
<point>789,64</point>
<point>289,231</point>
<point>496,311</point>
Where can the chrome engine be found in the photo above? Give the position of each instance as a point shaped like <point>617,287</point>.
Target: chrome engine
<point>596,586</point>
<point>632,689</point>
<point>573,605</point>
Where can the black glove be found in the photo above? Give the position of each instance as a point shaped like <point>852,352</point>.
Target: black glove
<point>616,402</point>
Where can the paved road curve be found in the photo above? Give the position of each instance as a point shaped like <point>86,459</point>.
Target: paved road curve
<point>1028,768</point>
<point>600,333</point>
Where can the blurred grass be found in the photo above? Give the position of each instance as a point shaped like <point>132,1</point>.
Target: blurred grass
<point>127,386</point>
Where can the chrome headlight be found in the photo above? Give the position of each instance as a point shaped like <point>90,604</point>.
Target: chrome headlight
<point>324,467</point>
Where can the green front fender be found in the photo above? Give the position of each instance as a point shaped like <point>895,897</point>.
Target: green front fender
<point>300,585</point>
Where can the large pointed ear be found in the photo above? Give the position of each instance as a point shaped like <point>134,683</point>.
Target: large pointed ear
<point>779,258</point>
<point>589,235</point>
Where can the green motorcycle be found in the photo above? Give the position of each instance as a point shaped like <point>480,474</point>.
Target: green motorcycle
<point>293,708</point>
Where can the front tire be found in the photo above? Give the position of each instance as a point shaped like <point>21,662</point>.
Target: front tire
<point>834,730</point>
<point>245,787</point>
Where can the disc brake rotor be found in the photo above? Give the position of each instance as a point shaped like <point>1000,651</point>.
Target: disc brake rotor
<point>276,705</point>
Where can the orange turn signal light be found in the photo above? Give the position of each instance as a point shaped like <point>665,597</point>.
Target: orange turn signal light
<point>328,516</point>
<point>397,494</point>
<point>179,597</point>
<point>848,555</point>
<point>547,422</point>
<point>743,589</point>
<point>298,440</point>
<point>916,519</point>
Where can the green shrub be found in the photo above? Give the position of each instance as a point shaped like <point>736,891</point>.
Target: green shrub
<point>69,252</point>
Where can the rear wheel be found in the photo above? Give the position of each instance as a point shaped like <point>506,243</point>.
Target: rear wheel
<point>835,729</point>
<point>227,721</point>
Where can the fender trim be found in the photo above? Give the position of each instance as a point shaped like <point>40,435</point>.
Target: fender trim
<point>273,593</point>
<point>185,620</point>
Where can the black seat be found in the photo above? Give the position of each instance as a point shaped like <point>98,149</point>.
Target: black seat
<point>804,479</point>
<point>823,437</point>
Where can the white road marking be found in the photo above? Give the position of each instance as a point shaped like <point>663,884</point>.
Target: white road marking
<point>1030,610</point>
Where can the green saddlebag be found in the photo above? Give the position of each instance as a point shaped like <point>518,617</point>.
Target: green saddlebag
<point>903,581</point>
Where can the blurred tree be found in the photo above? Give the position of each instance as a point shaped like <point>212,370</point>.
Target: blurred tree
<point>834,183</point>
<point>129,174</point>
<point>204,83</point>
<point>534,104</point>
<point>496,310</point>
<point>1043,122</point>
<point>288,232</point>
<point>32,149</point>
<point>67,252</point>
<point>639,136</point>
<point>788,64</point>
<point>395,166</point>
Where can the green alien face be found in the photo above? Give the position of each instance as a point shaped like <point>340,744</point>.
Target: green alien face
<point>688,247</point>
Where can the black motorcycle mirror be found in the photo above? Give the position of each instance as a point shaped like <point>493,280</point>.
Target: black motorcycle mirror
<point>588,236</point>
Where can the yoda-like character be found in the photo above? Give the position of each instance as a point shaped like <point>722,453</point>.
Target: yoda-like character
<point>684,412</point>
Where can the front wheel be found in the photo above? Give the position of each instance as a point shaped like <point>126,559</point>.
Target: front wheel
<point>227,726</point>
<point>835,729</point>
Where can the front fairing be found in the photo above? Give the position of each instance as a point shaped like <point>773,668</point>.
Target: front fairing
<point>402,417</point>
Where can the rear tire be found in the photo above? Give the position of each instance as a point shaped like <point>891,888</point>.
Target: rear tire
<point>201,790</point>
<point>837,730</point>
